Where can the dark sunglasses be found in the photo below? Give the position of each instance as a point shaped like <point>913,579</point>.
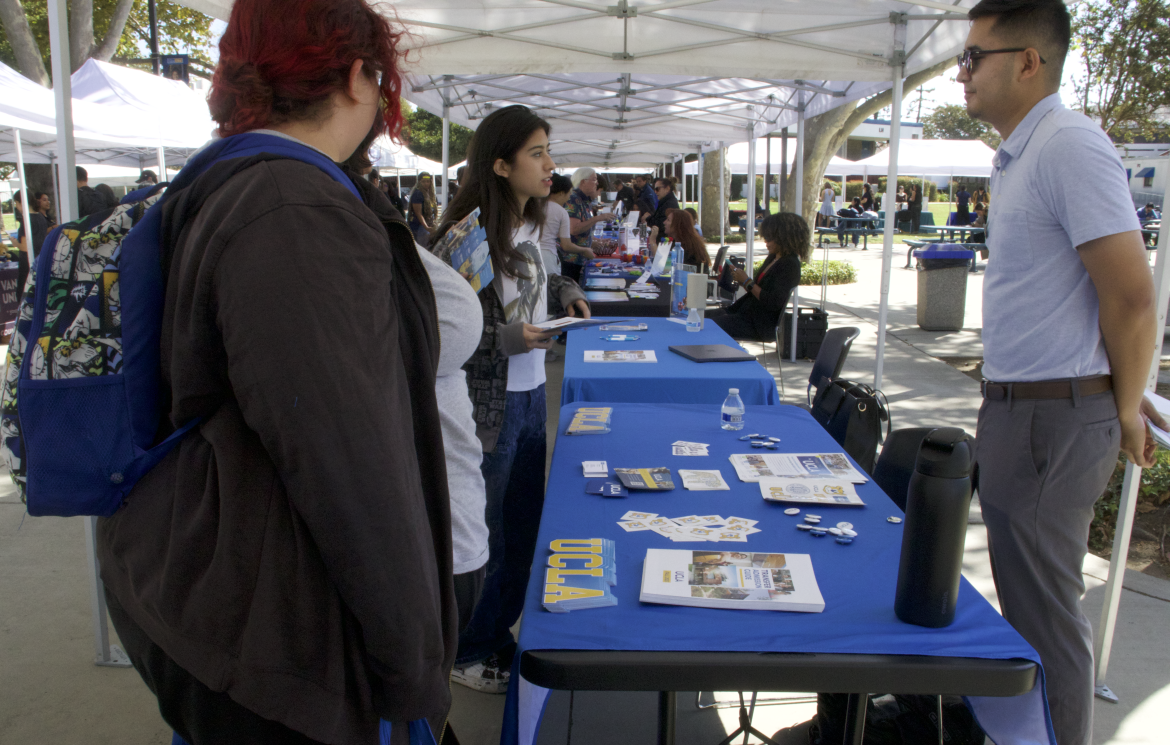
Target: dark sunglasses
<point>969,57</point>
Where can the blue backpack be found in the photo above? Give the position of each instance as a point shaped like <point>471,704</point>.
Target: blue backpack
<point>79,408</point>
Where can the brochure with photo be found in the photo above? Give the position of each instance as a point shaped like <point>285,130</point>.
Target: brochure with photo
<point>471,256</point>
<point>645,478</point>
<point>580,573</point>
<point>620,355</point>
<point>731,579</point>
<point>810,491</point>
<point>703,481</point>
<point>751,467</point>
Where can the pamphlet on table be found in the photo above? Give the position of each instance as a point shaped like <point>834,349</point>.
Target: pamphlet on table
<point>605,283</point>
<point>703,480</point>
<point>590,420</point>
<point>691,528</point>
<point>751,467</point>
<point>569,324</point>
<point>605,296</point>
<point>731,579</point>
<point>810,491</point>
<point>580,574</point>
<point>620,355</point>
<point>471,256</point>
<point>623,327</point>
<point>657,479</point>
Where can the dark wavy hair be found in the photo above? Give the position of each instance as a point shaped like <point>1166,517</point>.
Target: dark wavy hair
<point>281,62</point>
<point>790,231</point>
<point>500,136</point>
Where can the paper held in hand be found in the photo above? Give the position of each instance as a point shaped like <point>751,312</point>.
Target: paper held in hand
<point>752,467</point>
<point>568,324</point>
<point>810,491</point>
<point>1163,407</point>
<point>731,579</point>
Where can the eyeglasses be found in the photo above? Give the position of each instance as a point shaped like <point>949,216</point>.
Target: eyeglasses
<point>969,57</point>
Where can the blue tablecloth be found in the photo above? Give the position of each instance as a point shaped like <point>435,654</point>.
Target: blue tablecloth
<point>672,379</point>
<point>857,581</point>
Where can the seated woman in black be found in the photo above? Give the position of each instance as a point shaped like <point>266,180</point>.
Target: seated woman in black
<point>754,316</point>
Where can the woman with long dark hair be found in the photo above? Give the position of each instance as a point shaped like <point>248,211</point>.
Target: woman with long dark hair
<point>754,316</point>
<point>508,177</point>
<point>423,205</point>
<point>284,574</point>
<point>680,228</point>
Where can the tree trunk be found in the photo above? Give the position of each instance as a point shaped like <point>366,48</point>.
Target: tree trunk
<point>823,134</point>
<point>80,32</point>
<point>109,44</point>
<point>712,204</point>
<point>24,46</point>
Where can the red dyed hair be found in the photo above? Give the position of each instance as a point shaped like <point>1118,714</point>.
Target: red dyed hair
<point>683,227</point>
<point>281,60</point>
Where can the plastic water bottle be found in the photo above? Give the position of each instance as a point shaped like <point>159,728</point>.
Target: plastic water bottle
<point>694,322</point>
<point>732,417</point>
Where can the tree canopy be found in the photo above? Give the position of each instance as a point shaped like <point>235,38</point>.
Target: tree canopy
<point>952,122</point>
<point>423,136</point>
<point>1124,79</point>
<point>118,30</point>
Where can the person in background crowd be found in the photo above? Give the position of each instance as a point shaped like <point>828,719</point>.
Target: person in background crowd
<point>853,210</point>
<point>828,196</point>
<point>1069,322</point>
<point>390,189</point>
<point>555,240</point>
<point>581,220</point>
<point>625,195</point>
<point>374,177</point>
<point>39,226</point>
<point>284,575</point>
<point>914,205</point>
<point>645,199</point>
<point>900,198</point>
<point>423,206</point>
<point>694,215</point>
<point>1148,214</point>
<point>755,315</point>
<point>963,206</point>
<point>680,228</point>
<point>867,201</point>
<point>147,178</point>
<point>979,221</point>
<point>509,174</point>
<point>664,188</point>
<point>979,195</point>
<point>88,200</point>
<point>108,195</point>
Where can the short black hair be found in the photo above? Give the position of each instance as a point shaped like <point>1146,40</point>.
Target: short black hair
<point>82,174</point>
<point>561,184</point>
<point>1043,24</point>
<point>790,231</point>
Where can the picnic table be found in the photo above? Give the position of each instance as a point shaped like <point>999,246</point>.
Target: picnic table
<point>854,226</point>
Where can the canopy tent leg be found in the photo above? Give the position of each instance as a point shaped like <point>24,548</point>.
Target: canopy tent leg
<point>768,174</point>
<point>898,63</point>
<point>106,654</point>
<point>798,176</point>
<point>446,155</point>
<point>783,164</point>
<point>23,198</point>
<point>750,225</point>
<point>683,176</point>
<point>1103,644</point>
<point>699,190</point>
<point>162,164</point>
<point>722,194</point>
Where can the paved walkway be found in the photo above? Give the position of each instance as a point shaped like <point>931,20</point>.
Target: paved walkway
<point>51,692</point>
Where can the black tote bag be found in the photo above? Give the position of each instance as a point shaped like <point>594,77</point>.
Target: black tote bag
<point>852,413</point>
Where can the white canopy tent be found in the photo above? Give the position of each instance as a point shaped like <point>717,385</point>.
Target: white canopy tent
<point>686,69</point>
<point>738,157</point>
<point>933,158</point>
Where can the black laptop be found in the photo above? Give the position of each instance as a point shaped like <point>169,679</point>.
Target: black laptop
<point>712,353</point>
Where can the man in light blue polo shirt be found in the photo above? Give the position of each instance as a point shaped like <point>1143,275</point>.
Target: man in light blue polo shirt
<point>1068,335</point>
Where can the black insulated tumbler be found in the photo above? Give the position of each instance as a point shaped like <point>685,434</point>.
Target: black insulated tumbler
<point>937,507</point>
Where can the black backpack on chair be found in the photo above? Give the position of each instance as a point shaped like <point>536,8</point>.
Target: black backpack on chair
<point>853,414</point>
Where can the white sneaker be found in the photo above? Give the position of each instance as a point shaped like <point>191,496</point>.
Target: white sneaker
<point>485,675</point>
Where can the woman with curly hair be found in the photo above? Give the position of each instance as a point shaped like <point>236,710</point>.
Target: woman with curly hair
<point>754,316</point>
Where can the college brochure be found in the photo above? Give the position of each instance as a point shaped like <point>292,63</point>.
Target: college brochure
<point>731,579</point>
<point>645,478</point>
<point>620,355</point>
<point>752,467</point>
<point>810,491</point>
<point>471,256</point>
<point>605,283</point>
<point>590,420</point>
<point>602,296</point>
<point>580,573</point>
<point>568,324</point>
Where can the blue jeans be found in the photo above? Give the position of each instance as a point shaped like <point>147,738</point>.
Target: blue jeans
<point>513,474</point>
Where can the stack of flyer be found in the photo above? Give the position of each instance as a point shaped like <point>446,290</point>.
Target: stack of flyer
<point>731,579</point>
<point>580,573</point>
<point>751,467</point>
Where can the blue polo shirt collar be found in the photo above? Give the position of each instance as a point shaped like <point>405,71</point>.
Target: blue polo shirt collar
<point>1014,145</point>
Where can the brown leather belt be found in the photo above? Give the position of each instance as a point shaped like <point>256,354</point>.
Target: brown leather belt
<point>1047,388</point>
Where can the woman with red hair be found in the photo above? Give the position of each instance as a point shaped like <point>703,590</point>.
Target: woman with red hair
<point>680,228</point>
<point>284,574</point>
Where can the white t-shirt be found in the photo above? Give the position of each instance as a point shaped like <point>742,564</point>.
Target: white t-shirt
<point>526,300</point>
<point>556,227</point>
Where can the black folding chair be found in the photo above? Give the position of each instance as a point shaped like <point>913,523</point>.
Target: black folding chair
<point>831,357</point>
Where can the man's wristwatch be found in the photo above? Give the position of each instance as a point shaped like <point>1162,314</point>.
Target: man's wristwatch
<point>747,286</point>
